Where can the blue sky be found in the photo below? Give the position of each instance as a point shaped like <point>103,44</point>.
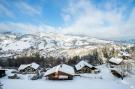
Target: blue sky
<point>110,19</point>
<point>32,11</point>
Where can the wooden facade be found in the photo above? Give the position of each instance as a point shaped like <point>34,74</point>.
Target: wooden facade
<point>59,76</point>
<point>60,72</point>
<point>29,70</point>
<point>87,69</point>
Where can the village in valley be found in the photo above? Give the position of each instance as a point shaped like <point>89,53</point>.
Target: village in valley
<point>67,44</point>
<point>57,61</point>
<point>83,74</point>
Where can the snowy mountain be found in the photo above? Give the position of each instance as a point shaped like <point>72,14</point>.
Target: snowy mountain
<point>131,41</point>
<point>47,44</point>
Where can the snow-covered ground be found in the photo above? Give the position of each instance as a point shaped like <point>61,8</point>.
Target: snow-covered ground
<point>103,80</point>
<point>77,83</point>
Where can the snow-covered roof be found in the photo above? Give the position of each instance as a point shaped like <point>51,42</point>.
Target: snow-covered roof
<point>62,68</point>
<point>33,65</point>
<point>116,60</point>
<point>23,66</point>
<point>126,54</point>
<point>82,64</point>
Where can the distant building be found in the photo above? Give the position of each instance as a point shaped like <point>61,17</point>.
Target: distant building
<point>2,72</point>
<point>116,61</point>
<point>125,55</point>
<point>29,68</point>
<point>60,72</point>
<point>84,67</point>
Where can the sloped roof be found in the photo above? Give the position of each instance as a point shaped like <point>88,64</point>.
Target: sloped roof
<point>82,64</point>
<point>116,60</point>
<point>62,68</point>
<point>23,66</point>
<point>33,65</point>
<point>126,54</point>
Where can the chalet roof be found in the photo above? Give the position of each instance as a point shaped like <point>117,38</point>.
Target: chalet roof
<point>126,54</point>
<point>62,68</point>
<point>116,60</point>
<point>82,64</point>
<point>22,66</point>
<point>33,65</point>
<point>123,53</point>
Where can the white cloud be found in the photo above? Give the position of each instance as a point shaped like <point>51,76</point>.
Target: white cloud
<point>19,7</point>
<point>98,23</point>
<point>81,17</point>
<point>66,17</point>
<point>28,9</point>
<point>26,28</point>
<point>5,11</point>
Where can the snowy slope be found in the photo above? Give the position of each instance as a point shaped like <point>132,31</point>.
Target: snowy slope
<point>47,44</point>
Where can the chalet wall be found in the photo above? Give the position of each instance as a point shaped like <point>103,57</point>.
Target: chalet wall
<point>87,70</point>
<point>56,76</point>
<point>28,70</point>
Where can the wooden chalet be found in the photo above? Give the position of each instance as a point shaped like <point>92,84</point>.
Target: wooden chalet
<point>60,72</point>
<point>84,67</point>
<point>2,72</point>
<point>29,68</point>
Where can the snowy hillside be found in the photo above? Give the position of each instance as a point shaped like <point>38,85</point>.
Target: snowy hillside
<point>47,44</point>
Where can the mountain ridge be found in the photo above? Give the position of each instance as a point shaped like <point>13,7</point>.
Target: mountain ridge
<point>48,44</point>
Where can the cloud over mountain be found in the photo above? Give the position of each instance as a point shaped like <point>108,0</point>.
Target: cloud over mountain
<point>104,19</point>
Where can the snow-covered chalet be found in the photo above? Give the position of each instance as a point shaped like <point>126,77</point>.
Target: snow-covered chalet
<point>29,68</point>
<point>85,67</point>
<point>60,72</point>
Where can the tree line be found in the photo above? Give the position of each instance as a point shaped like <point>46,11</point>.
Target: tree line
<point>48,61</point>
<point>94,58</point>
